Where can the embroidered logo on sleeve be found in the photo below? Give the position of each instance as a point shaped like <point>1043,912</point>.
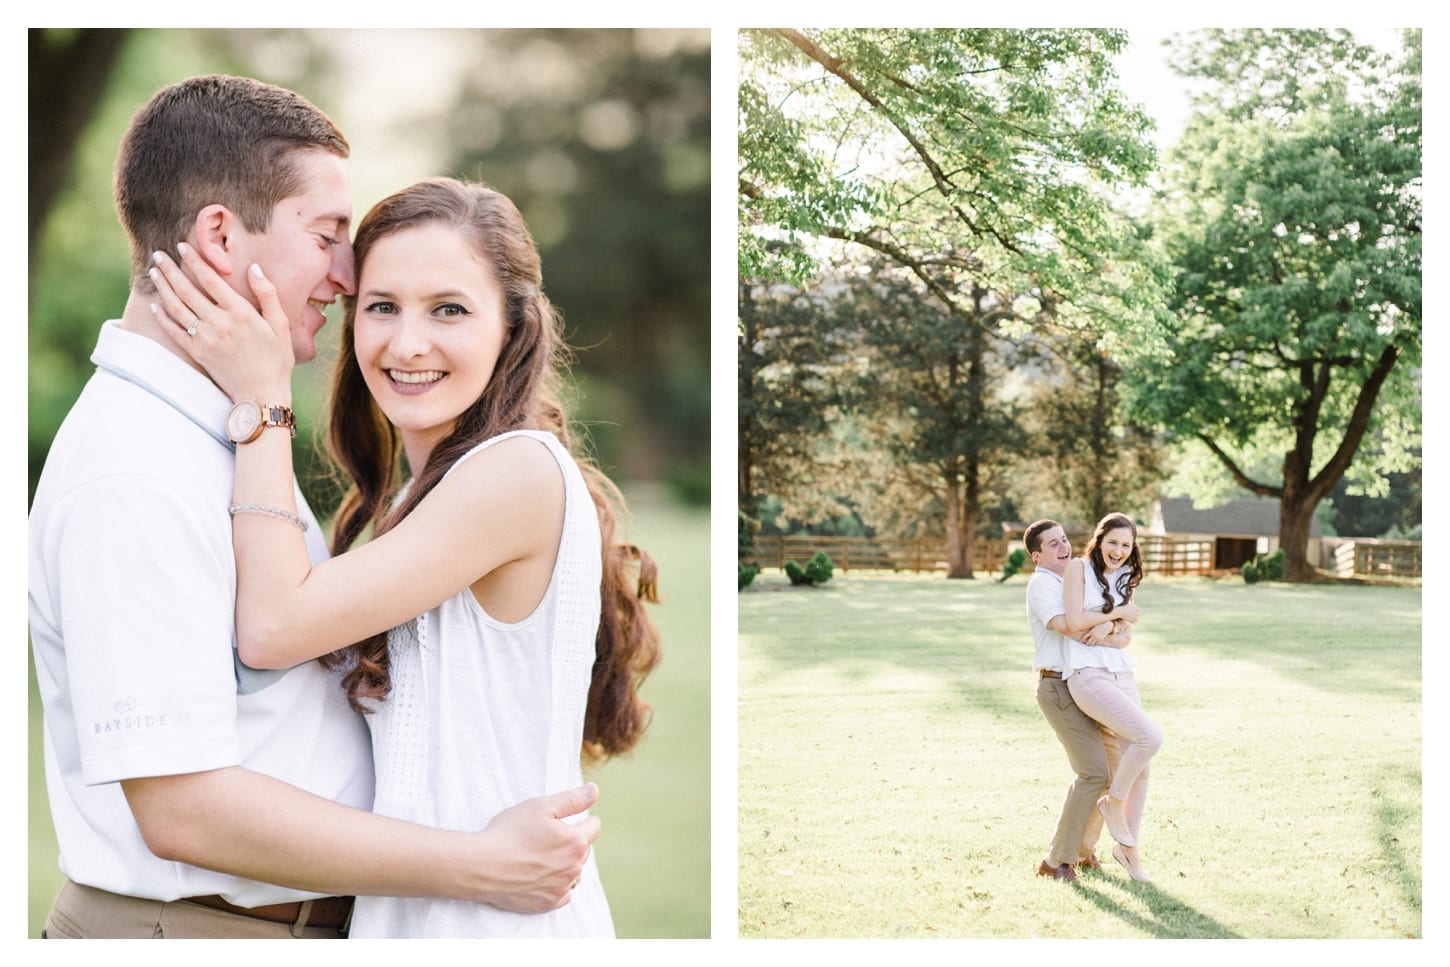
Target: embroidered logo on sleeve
<point>128,717</point>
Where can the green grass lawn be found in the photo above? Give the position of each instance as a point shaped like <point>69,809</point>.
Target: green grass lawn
<point>654,852</point>
<point>898,780</point>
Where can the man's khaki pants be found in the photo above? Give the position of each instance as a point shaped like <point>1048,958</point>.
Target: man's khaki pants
<point>83,911</point>
<point>1090,748</point>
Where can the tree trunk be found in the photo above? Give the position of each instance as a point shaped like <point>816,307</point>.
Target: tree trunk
<point>963,479</point>
<point>68,74</point>
<point>1295,516</point>
<point>1302,492</point>
<point>744,432</point>
<point>961,524</point>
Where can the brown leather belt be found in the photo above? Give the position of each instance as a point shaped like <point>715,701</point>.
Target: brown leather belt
<point>327,911</point>
<point>1048,673</point>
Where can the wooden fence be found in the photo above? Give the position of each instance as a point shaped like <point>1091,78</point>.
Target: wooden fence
<point>1167,554</point>
<point>1377,558</point>
<point>1161,555</point>
<point>874,553</point>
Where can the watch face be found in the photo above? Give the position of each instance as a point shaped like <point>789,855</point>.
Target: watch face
<point>243,421</point>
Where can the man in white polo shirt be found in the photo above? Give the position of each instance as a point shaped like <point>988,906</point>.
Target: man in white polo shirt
<point>194,797</point>
<point>1089,745</point>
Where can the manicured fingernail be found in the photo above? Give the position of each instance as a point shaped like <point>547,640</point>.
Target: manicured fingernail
<point>157,257</point>
<point>256,271</point>
<point>155,309</point>
<point>155,274</point>
<point>182,247</point>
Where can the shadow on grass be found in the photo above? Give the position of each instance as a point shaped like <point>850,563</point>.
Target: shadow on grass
<point>1402,869</point>
<point>1167,917</point>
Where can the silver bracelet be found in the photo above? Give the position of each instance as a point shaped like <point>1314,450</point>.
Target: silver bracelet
<point>277,512</point>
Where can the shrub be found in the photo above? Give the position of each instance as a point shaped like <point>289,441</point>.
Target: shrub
<point>1265,567</point>
<point>747,574</point>
<point>820,568</point>
<point>817,571</point>
<point>1273,566</point>
<point>1015,561</point>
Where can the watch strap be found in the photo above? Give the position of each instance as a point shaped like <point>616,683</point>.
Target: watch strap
<point>275,414</point>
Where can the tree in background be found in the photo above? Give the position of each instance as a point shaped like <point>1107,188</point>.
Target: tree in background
<point>929,386</point>
<point>1102,457</point>
<point>968,157</point>
<point>66,68</point>
<point>976,161</point>
<point>1292,216</point>
<point>787,399</point>
<point>602,138</point>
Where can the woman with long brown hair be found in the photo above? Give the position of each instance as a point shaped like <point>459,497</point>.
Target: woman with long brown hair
<point>489,625</point>
<point>1101,679</point>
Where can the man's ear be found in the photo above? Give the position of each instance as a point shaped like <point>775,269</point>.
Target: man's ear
<point>216,229</point>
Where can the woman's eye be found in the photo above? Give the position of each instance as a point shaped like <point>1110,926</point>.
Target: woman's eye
<point>451,310</point>
<point>382,308</point>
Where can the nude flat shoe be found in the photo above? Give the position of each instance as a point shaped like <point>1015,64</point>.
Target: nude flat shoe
<point>1135,872</point>
<point>1117,826</point>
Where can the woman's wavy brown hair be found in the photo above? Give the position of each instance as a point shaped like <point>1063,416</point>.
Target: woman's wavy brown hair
<point>521,394</point>
<point>1094,554</point>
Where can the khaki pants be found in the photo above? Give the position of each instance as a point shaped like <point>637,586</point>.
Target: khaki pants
<point>1091,749</point>
<point>83,911</point>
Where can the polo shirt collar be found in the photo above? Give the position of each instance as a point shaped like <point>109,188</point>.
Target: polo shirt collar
<point>129,354</point>
<point>1052,574</point>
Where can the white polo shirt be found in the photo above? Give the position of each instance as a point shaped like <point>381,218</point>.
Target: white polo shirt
<point>132,593</point>
<point>1044,602</point>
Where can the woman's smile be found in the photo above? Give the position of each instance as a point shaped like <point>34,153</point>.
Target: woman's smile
<point>412,383</point>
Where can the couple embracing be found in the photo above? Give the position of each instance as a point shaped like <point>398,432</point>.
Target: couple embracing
<point>250,733</point>
<point>1081,614</point>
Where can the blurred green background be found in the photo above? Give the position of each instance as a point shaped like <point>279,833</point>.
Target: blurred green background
<point>602,139</point>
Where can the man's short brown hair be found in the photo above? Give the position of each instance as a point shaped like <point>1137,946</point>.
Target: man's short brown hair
<point>1032,537</point>
<point>209,140</point>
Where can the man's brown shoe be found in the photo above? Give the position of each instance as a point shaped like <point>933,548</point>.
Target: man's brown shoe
<point>1091,863</point>
<point>1063,872</point>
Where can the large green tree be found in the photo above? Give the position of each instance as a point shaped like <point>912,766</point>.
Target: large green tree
<point>978,161</point>
<point>788,399</point>
<point>931,381</point>
<point>969,157</point>
<point>1292,215</point>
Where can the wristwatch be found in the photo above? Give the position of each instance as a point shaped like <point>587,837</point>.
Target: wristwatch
<point>248,419</point>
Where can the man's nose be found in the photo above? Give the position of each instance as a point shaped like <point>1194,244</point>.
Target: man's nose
<point>344,272</point>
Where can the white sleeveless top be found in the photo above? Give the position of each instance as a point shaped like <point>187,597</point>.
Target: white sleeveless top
<point>484,714</point>
<point>1079,655</point>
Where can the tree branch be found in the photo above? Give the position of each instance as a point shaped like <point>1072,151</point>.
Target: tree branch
<point>1241,478</point>
<point>1354,431</point>
<point>944,186</point>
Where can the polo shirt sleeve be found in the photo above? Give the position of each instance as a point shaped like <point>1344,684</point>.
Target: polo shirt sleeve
<point>147,619</point>
<point>1044,599</point>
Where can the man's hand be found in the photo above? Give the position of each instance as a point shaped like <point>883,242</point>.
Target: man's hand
<point>534,854</point>
<point>1127,611</point>
<point>1097,633</point>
